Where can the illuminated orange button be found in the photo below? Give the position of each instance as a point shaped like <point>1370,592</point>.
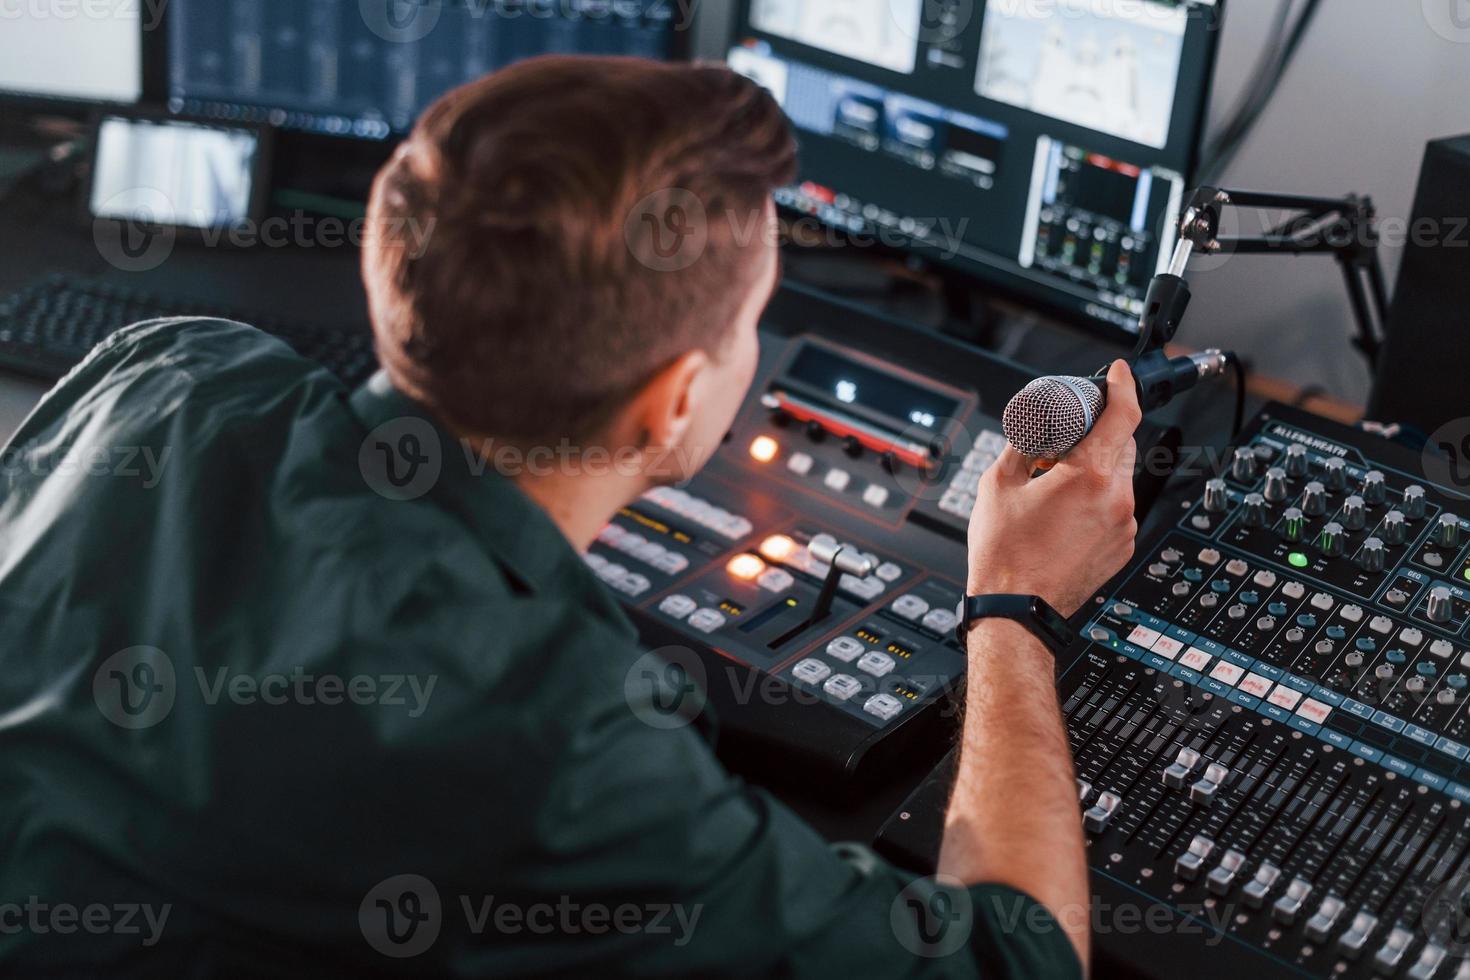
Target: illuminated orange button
<point>778,547</point>
<point>764,449</point>
<point>745,567</point>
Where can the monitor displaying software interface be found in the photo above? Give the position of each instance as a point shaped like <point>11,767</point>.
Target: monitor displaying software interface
<point>90,51</point>
<point>368,68</point>
<point>1042,146</point>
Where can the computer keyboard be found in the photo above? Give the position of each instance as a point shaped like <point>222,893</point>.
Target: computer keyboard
<point>47,328</point>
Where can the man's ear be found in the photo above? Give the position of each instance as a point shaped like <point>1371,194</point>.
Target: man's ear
<point>665,408</point>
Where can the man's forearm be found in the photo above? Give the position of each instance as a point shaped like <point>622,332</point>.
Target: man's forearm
<point>1013,816</point>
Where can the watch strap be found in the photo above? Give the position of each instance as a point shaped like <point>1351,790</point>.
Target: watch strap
<point>1032,612</point>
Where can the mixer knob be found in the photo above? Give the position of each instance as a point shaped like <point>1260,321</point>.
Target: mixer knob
<point>1447,531</point>
<point>815,432</point>
<point>1331,539</point>
<point>1413,506</point>
<point>852,447</point>
<point>1254,513</point>
<point>1394,527</point>
<point>1243,465</point>
<point>1292,521</point>
<point>1275,489</point>
<point>1441,605</point>
<point>1217,497</point>
<point>1354,513</point>
<point>1314,499</point>
<point>1371,556</point>
<point>1373,490</point>
<point>1334,474</point>
<point>1296,460</point>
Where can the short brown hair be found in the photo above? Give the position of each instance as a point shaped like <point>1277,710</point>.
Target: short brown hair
<point>536,305</point>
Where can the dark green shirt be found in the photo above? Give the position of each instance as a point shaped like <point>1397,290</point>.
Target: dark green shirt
<point>291,685</point>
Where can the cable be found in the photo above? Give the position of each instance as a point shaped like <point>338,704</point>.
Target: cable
<point>1233,134</point>
<point>1237,366</point>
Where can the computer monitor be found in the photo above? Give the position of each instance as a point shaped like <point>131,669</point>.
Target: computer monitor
<point>367,68</point>
<point>84,52</point>
<point>1040,146</point>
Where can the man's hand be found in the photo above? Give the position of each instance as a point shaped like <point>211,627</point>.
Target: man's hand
<point>1064,534</point>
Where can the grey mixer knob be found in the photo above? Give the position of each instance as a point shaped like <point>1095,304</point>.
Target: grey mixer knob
<point>1354,513</point>
<point>1441,605</point>
<point>1296,460</point>
<point>1314,499</point>
<point>1275,489</point>
<point>1254,512</point>
<point>1243,465</point>
<point>1394,527</point>
<point>1217,497</point>
<point>1371,555</point>
<point>1330,540</point>
<point>1334,474</point>
<point>1413,506</point>
<point>1373,489</point>
<point>1447,531</point>
<point>1292,521</point>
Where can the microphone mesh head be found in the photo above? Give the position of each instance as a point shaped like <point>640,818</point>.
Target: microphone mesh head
<point>1047,418</point>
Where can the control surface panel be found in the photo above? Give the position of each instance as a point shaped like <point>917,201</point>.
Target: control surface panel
<point>1269,713</point>
<point>812,572</point>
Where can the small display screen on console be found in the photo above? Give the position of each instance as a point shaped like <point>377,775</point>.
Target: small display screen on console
<point>848,382</point>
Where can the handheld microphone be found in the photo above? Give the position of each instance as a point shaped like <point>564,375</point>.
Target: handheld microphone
<point>1050,416</point>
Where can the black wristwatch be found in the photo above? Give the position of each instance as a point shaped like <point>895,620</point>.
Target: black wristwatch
<point>1032,612</point>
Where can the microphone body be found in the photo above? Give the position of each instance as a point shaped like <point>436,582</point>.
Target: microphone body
<point>1050,416</point>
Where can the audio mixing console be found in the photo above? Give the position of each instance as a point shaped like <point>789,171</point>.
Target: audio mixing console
<point>1270,713</point>
<point>812,572</point>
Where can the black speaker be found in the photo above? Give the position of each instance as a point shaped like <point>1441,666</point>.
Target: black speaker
<point>1424,367</point>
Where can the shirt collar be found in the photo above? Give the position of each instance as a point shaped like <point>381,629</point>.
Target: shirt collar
<point>508,522</point>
